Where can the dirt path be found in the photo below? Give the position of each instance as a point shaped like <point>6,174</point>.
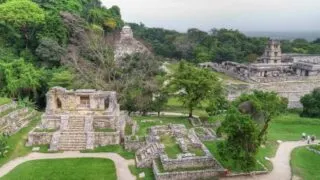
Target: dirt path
<point>281,163</point>
<point>123,172</point>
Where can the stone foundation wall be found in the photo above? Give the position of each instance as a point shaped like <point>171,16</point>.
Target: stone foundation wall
<point>50,121</point>
<point>211,174</point>
<point>133,145</point>
<point>106,138</point>
<point>39,138</point>
<point>189,162</point>
<point>102,122</point>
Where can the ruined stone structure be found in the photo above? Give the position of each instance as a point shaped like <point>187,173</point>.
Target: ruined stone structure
<point>290,75</point>
<point>272,66</point>
<point>128,45</point>
<point>186,165</point>
<point>13,117</point>
<point>78,120</point>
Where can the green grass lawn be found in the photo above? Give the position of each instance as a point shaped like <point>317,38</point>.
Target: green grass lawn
<point>305,164</point>
<point>65,169</point>
<point>290,126</point>
<point>171,148</point>
<point>112,148</point>
<point>143,126</point>
<point>17,142</point>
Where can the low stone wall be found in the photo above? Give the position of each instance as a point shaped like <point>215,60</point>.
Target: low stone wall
<point>106,138</point>
<point>133,145</point>
<point>8,106</point>
<point>39,138</point>
<point>211,174</point>
<point>188,162</point>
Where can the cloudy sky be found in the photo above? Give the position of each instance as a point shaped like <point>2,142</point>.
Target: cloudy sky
<point>245,15</point>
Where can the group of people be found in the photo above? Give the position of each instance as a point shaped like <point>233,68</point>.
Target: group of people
<point>310,139</point>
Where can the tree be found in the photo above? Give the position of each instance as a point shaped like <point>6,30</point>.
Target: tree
<point>24,15</point>
<point>263,107</point>
<point>62,78</point>
<point>19,78</point>
<point>242,142</point>
<point>311,104</point>
<point>159,101</point>
<point>193,85</point>
<point>50,52</point>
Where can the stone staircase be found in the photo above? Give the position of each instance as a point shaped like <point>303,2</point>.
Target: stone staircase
<point>146,154</point>
<point>74,137</point>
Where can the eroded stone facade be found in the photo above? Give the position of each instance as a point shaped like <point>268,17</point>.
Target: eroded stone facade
<point>128,45</point>
<point>78,120</point>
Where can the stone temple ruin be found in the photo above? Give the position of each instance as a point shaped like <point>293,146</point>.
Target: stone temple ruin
<point>128,45</point>
<point>193,162</point>
<point>78,120</point>
<point>272,66</point>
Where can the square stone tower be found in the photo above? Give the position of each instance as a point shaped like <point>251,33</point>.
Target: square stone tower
<point>272,53</point>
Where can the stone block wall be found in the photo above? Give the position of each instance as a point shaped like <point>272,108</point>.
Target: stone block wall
<point>104,122</point>
<point>106,138</point>
<point>133,145</point>
<point>39,138</point>
<point>211,174</point>
<point>188,162</point>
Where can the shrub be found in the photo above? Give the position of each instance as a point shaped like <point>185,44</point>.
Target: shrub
<point>311,104</point>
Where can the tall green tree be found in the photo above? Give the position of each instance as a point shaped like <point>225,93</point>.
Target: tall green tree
<point>193,85</point>
<point>23,15</point>
<point>242,140</point>
<point>263,107</point>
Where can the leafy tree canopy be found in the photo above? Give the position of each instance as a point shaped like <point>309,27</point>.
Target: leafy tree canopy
<point>21,13</point>
<point>194,85</point>
<point>311,104</point>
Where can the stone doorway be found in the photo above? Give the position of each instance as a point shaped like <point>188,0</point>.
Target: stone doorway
<point>59,105</point>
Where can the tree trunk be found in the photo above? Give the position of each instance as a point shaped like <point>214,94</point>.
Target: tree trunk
<point>158,113</point>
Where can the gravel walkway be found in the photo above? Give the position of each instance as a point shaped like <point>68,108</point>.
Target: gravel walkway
<point>281,163</point>
<point>123,172</point>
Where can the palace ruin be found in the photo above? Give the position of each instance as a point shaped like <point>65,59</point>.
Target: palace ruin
<point>290,75</point>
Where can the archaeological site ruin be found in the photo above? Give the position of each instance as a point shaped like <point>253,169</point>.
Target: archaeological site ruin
<point>290,75</point>
<point>78,120</point>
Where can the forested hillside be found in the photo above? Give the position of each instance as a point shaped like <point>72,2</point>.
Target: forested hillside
<point>35,36</point>
<point>217,45</point>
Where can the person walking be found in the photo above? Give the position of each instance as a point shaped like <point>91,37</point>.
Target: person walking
<point>308,139</point>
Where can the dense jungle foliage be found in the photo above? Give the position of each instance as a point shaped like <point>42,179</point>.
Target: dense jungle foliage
<point>217,45</point>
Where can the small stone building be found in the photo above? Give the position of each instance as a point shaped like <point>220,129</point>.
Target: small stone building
<point>78,119</point>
